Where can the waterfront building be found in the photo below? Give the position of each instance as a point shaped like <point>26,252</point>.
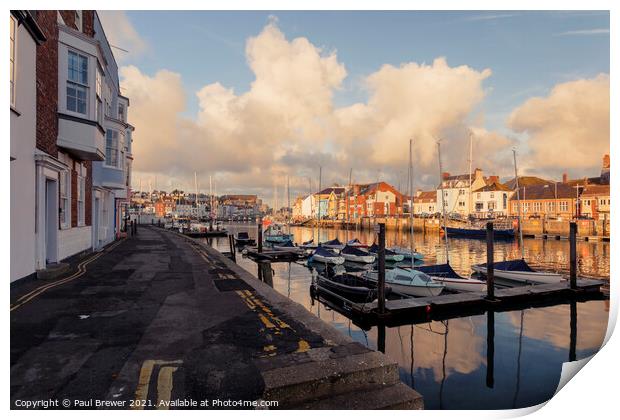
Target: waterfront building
<point>492,199</point>
<point>456,192</point>
<point>595,202</point>
<point>330,200</point>
<point>111,176</point>
<point>25,37</point>
<point>308,207</point>
<point>378,199</point>
<point>74,104</point>
<point>551,200</point>
<point>424,203</point>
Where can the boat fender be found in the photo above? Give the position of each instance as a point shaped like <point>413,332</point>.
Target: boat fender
<point>428,309</point>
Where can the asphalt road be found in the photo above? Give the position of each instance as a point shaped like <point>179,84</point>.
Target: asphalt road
<point>153,322</point>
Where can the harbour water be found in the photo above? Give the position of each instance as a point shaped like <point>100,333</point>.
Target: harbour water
<point>491,361</point>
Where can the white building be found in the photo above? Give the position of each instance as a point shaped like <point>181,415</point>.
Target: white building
<point>25,35</point>
<point>491,200</point>
<point>309,206</point>
<point>456,192</point>
<point>424,203</point>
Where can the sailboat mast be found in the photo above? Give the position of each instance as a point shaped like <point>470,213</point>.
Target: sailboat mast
<point>210,196</point>
<point>318,226</point>
<point>288,204</point>
<point>196,189</point>
<point>411,206</point>
<point>471,135</point>
<point>443,204</point>
<point>348,211</point>
<point>514,155</point>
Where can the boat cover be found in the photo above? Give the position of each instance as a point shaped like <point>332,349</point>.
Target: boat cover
<point>310,242</point>
<point>354,251</point>
<point>288,243</point>
<point>325,252</point>
<point>243,235</point>
<point>512,265</point>
<point>439,270</point>
<point>332,242</point>
<point>354,242</point>
<point>374,248</point>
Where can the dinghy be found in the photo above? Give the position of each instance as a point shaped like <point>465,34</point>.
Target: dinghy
<point>350,287</point>
<point>406,253</point>
<point>357,255</point>
<point>333,244</point>
<point>445,274</point>
<point>519,271</point>
<point>326,256</point>
<point>389,255</point>
<point>408,282</point>
<point>275,234</point>
<point>243,239</point>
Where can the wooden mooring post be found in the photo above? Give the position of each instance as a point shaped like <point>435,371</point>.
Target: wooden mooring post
<point>231,243</point>
<point>573,254</point>
<point>490,262</point>
<point>260,247</point>
<point>381,273</point>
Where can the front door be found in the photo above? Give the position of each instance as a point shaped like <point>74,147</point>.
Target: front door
<point>51,221</point>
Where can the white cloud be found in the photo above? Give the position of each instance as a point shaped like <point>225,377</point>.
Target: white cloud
<point>569,128</point>
<point>597,31</point>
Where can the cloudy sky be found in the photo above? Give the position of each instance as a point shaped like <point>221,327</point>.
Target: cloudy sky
<point>250,98</point>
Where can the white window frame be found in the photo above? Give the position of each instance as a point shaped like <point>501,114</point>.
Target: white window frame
<point>99,95</point>
<point>77,83</point>
<point>121,115</point>
<point>13,56</point>
<point>64,179</point>
<point>107,163</point>
<point>81,194</point>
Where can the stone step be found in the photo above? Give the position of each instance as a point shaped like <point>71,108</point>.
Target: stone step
<point>383,397</point>
<point>326,376</point>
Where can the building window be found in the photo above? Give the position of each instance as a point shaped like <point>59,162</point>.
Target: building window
<point>563,205</point>
<point>491,205</point>
<point>81,193</point>
<point>537,206</point>
<point>492,195</point>
<point>13,38</point>
<point>121,112</point>
<point>551,206</point>
<point>111,148</point>
<point>99,94</point>
<point>505,200</point>
<point>77,84</point>
<point>479,195</point>
<point>526,207</point>
<point>65,206</point>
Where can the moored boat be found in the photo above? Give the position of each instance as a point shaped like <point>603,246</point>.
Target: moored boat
<point>350,287</point>
<point>407,253</point>
<point>243,239</point>
<point>451,279</point>
<point>409,282</point>
<point>333,244</point>
<point>519,271</point>
<point>275,234</point>
<point>357,255</point>
<point>480,233</point>
<point>326,256</point>
<point>389,254</point>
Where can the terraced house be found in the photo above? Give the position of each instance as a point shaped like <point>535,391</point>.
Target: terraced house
<point>81,154</point>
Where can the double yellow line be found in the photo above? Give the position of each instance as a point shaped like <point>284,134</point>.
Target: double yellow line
<point>81,270</point>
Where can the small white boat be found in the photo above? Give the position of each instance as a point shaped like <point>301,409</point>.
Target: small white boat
<point>334,244</point>
<point>355,243</point>
<point>326,256</point>
<point>275,234</point>
<point>357,255</point>
<point>389,255</point>
<point>406,253</point>
<point>409,282</point>
<point>445,274</point>
<point>519,271</point>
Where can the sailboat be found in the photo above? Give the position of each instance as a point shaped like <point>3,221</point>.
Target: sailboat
<point>444,272</point>
<point>408,280</point>
<point>274,234</point>
<point>519,270</point>
<point>354,254</point>
<point>389,255</point>
<point>327,256</point>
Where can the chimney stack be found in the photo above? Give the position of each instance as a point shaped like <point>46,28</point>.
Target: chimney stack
<point>445,175</point>
<point>564,178</point>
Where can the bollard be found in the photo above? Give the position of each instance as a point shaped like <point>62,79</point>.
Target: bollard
<point>573,254</point>
<point>260,238</point>
<point>381,274</point>
<point>490,273</point>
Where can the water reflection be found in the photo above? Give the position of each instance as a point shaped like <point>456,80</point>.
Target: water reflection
<point>490,361</point>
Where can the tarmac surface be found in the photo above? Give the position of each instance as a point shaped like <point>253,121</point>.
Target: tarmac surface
<point>152,300</point>
<point>157,321</point>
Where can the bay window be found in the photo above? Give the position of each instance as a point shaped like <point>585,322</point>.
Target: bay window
<point>99,95</point>
<point>13,37</point>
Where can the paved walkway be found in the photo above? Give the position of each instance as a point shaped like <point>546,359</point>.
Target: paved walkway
<point>158,320</point>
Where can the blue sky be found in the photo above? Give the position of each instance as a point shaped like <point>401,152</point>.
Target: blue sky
<point>555,56</point>
<point>528,52</point>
